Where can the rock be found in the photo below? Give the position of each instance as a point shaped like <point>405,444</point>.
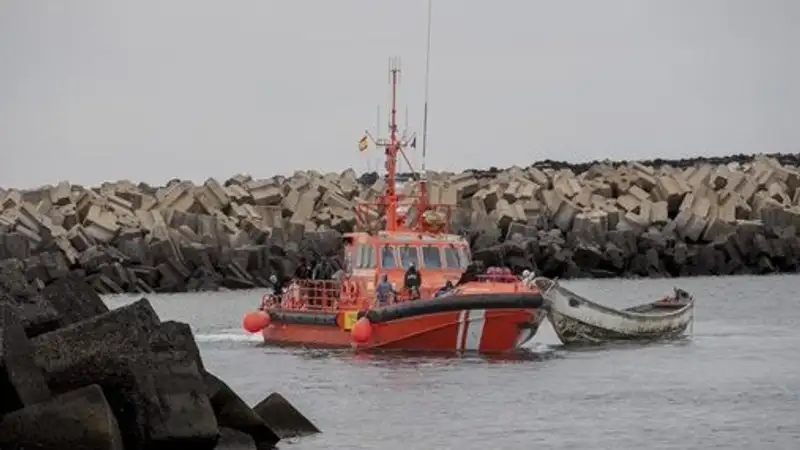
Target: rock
<point>232,412</point>
<point>173,335</point>
<point>96,338</point>
<point>22,383</point>
<point>282,418</point>
<point>123,237</point>
<point>113,379</point>
<point>74,300</point>
<point>35,313</point>
<point>79,419</point>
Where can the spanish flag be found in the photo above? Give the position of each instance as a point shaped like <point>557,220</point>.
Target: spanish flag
<point>363,144</point>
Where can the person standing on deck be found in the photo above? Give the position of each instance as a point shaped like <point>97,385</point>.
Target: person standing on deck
<point>277,284</point>
<point>412,281</point>
<point>470,274</point>
<point>303,271</point>
<point>384,291</point>
<point>277,288</point>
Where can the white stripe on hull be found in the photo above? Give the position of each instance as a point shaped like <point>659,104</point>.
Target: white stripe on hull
<point>461,326</point>
<point>470,329</point>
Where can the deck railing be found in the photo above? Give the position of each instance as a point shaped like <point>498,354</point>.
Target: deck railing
<point>331,295</point>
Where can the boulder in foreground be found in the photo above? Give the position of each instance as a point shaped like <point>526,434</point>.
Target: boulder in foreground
<point>114,379</point>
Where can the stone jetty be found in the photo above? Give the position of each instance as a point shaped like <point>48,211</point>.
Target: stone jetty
<point>76,375</point>
<point>707,216</point>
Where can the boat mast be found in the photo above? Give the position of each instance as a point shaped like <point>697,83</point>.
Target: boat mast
<point>393,147</point>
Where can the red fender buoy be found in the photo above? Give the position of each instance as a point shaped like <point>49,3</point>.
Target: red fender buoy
<point>256,321</point>
<point>362,331</point>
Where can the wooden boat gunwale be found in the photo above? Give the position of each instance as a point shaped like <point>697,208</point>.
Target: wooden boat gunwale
<point>628,313</point>
<point>598,325</point>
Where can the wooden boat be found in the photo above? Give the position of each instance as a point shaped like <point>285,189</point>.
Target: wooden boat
<point>494,314</point>
<point>577,320</point>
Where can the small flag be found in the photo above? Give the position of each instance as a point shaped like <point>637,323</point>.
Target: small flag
<point>414,142</point>
<point>363,144</point>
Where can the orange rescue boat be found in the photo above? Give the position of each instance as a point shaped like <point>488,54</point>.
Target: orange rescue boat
<point>489,314</point>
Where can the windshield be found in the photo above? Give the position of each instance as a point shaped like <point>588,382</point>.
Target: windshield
<point>388,258</point>
<point>408,256</point>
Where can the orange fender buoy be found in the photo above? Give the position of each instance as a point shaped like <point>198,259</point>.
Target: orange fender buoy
<point>362,331</point>
<point>256,321</point>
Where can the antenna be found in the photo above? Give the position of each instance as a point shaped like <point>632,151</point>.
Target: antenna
<point>423,172</point>
<point>404,136</point>
<point>378,133</point>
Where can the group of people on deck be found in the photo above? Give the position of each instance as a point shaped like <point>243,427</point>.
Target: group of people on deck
<point>412,281</point>
<point>385,291</point>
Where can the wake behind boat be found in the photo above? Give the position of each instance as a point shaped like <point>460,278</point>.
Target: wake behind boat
<point>396,264</point>
<point>578,320</point>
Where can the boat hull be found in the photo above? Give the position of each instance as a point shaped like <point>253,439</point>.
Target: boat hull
<point>476,330</point>
<point>486,324</point>
<point>577,320</point>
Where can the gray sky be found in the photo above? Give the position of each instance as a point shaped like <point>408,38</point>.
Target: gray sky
<point>152,90</point>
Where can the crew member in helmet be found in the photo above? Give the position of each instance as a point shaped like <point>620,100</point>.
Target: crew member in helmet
<point>412,281</point>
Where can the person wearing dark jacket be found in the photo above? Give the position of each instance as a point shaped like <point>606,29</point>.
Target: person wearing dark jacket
<point>277,284</point>
<point>303,271</point>
<point>412,280</point>
<point>470,274</point>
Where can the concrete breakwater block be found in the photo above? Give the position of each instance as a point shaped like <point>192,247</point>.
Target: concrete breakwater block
<point>22,382</point>
<point>113,379</point>
<point>283,418</point>
<point>732,215</point>
<point>79,419</point>
<point>232,412</point>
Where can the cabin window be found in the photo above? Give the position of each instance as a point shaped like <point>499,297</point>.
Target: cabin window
<point>366,257</point>
<point>361,259</point>
<point>431,257</point>
<point>359,256</point>
<point>372,259</point>
<point>350,258</point>
<point>408,256</point>
<point>388,260</point>
<point>451,258</point>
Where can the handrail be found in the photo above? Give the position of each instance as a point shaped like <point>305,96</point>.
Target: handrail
<point>333,295</point>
